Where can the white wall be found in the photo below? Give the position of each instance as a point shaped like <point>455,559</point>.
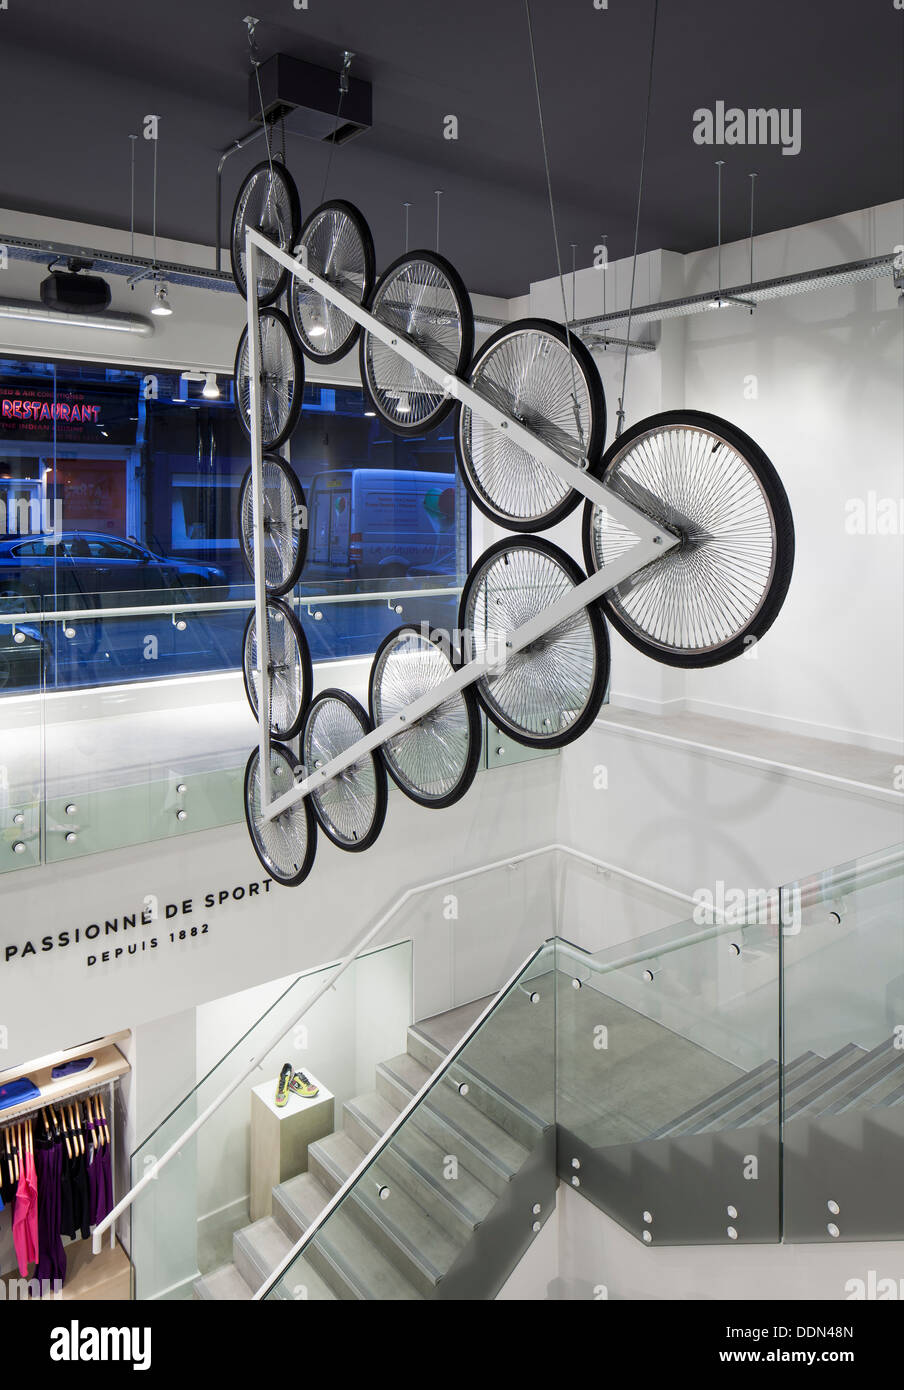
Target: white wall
<point>827,369</point>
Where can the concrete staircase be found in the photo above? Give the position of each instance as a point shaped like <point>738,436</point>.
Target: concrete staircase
<point>675,1186</point>
<point>412,1214</point>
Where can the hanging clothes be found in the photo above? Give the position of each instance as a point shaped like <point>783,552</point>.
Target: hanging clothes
<point>25,1217</point>
<point>49,1169</point>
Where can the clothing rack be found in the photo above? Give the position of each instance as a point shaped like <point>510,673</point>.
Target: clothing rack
<point>95,1088</point>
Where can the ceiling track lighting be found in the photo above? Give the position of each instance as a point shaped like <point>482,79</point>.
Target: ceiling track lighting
<point>161,307</point>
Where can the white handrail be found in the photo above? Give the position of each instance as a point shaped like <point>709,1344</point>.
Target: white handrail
<point>150,1176</point>
<point>144,610</point>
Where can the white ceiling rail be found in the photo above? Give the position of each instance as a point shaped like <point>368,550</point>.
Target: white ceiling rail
<point>747,296</point>
<point>653,540</point>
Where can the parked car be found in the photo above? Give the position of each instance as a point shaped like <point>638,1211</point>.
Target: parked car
<point>95,564</point>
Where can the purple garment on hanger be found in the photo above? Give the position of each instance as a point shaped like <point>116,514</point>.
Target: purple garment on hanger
<point>93,1167</point>
<point>49,1168</point>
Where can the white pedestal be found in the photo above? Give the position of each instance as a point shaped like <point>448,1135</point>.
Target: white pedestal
<point>280,1138</point>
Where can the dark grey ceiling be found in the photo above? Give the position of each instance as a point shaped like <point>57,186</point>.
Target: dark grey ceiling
<point>75,80</point>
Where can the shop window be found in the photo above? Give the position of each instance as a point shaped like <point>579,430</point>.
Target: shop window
<point>119,489</point>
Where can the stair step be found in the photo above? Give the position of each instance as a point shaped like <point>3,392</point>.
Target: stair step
<point>223,1285</point>
<point>297,1203</point>
<point>749,1082</point>
<point>347,1259</point>
<point>854,1081</point>
<point>762,1102</point>
<point>301,1282</point>
<point>258,1249</point>
<point>397,1224</point>
<point>333,1159</point>
<point>452,1122</point>
<point>417,1163</point>
<point>338,1258</point>
<point>507,1110</point>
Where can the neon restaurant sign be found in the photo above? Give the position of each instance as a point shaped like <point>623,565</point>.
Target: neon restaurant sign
<point>69,412</point>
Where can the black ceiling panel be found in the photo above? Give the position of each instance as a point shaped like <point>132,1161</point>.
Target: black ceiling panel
<point>77,79</point>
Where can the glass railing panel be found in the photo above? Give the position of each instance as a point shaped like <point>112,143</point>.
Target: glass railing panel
<point>22,639</point>
<point>844,1005</point>
<point>446,1205</point>
<point>208,1216</point>
<point>668,1080</point>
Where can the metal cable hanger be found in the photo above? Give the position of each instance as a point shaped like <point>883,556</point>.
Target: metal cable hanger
<point>620,414</point>
<point>555,232</point>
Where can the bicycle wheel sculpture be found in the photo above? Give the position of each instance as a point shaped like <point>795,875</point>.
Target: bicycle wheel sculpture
<point>548,693</point>
<point>722,587</point>
<point>289,676</point>
<point>697,478</point>
<point>285,845</point>
<point>285,525</point>
<point>422,298</point>
<point>351,806</point>
<point>268,201</point>
<point>435,759</point>
<point>546,380</point>
<point>281,379</point>
<point>336,244</point>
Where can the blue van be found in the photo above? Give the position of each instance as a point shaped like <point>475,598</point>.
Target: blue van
<point>380,523</point>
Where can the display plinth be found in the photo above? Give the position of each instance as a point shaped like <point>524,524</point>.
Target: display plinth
<point>280,1139</point>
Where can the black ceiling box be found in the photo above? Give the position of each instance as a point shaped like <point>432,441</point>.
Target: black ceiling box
<point>306,97</point>
<point>75,294</point>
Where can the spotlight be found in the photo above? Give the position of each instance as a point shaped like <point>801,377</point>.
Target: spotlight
<point>211,389</point>
<point>317,330</point>
<point>161,305</point>
<point>404,406</point>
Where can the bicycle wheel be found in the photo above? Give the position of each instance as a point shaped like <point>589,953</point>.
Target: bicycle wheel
<point>550,692</point>
<point>285,525</point>
<point>435,759</point>
<point>423,299</point>
<point>268,201</point>
<point>722,587</point>
<point>351,806</point>
<point>548,381</point>
<point>287,844</point>
<point>290,675</point>
<point>281,379</point>
<point>340,249</point>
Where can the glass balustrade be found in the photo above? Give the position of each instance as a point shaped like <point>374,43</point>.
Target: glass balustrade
<point>446,1204</point>
<point>185,1222</point>
<point>843,1073</point>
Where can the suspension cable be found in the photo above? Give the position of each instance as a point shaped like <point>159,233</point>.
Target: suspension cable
<point>555,233</point>
<point>643,156</point>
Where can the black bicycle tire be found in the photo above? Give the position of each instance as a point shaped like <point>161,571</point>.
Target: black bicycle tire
<point>275,591</point>
<point>466,312</point>
<point>307,671</point>
<point>238,274</point>
<point>775,494</point>
<point>596,443</point>
<point>307,864</point>
<point>357,217</point>
<point>474,727</point>
<point>598,630</point>
<point>381,792</point>
<point>298,359</point>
